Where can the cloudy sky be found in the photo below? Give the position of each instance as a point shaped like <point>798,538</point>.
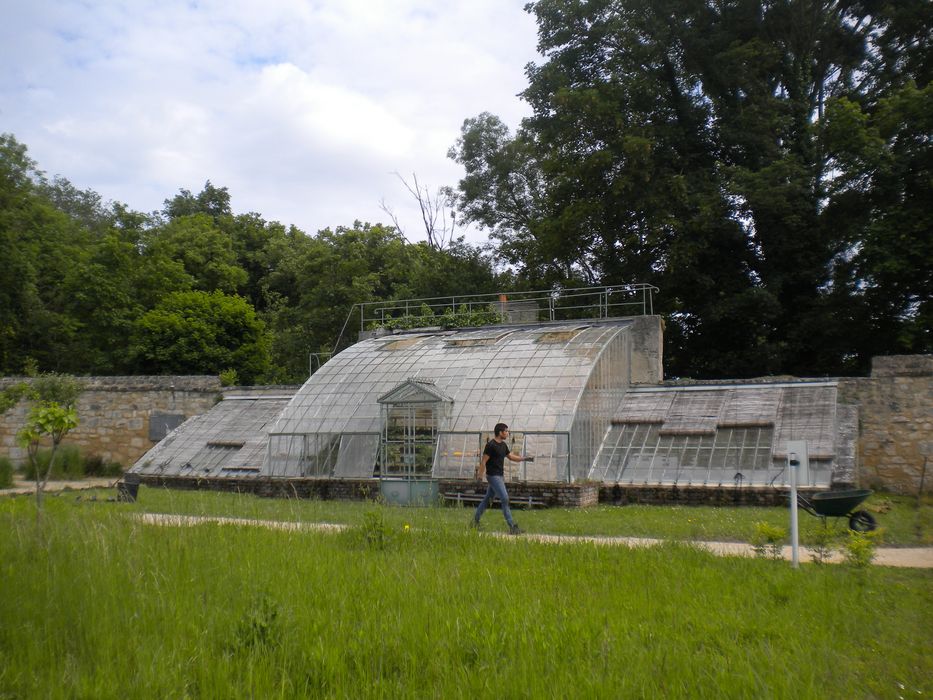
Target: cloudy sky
<point>303,109</point>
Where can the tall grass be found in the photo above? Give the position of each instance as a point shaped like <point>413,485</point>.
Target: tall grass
<point>96,604</point>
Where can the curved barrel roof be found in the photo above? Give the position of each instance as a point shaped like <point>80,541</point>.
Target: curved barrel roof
<point>531,377</point>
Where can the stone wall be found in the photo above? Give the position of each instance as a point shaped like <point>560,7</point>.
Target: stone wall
<point>895,436</point>
<point>621,495</point>
<point>120,417</point>
<point>647,350</point>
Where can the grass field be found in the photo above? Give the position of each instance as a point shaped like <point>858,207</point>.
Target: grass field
<point>95,604</point>
<point>903,523</point>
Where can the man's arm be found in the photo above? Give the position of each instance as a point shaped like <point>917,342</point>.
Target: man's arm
<point>481,469</point>
<point>518,458</point>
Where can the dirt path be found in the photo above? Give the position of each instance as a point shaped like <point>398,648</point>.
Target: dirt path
<point>907,557</point>
<point>23,487</point>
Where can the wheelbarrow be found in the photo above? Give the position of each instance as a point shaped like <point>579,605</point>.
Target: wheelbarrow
<point>840,504</point>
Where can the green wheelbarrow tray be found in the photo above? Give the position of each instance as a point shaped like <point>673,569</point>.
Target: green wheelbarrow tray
<point>840,504</point>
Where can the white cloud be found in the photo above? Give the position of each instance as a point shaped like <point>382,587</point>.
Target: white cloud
<point>302,109</point>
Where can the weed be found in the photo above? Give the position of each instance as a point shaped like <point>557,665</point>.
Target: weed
<point>859,548</point>
<point>373,533</point>
<point>259,628</point>
<point>822,543</point>
<point>768,540</point>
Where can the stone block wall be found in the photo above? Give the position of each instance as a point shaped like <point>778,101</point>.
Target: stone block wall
<point>120,417</point>
<point>647,350</point>
<point>895,435</point>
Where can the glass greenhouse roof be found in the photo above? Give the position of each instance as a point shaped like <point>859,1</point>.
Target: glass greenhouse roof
<point>724,434</point>
<point>530,377</point>
<point>229,440</point>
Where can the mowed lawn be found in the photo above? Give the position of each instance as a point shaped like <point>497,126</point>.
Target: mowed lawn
<point>410,603</point>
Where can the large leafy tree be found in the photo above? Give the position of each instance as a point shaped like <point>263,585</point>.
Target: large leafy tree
<point>686,144</point>
<point>201,333</point>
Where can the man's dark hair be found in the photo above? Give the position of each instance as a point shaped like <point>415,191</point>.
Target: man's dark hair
<point>499,428</point>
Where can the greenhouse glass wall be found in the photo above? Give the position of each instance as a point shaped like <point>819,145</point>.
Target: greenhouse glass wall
<point>424,404</point>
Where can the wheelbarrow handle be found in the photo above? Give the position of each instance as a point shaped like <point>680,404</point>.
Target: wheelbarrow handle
<point>806,505</point>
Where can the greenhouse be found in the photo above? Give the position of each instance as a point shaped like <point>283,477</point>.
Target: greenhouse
<point>586,398</point>
<point>423,404</point>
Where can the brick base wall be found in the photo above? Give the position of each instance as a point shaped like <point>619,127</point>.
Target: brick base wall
<point>696,495</point>
<point>558,495</point>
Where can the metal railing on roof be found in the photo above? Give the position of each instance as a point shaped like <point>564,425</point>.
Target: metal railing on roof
<point>538,306</point>
<point>531,307</point>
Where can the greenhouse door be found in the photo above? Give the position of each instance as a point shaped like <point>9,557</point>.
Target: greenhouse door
<point>409,439</point>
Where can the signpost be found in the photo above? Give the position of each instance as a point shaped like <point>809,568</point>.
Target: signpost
<point>798,462</point>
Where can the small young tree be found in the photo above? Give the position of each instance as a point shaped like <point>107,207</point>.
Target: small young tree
<point>46,419</point>
<point>53,415</point>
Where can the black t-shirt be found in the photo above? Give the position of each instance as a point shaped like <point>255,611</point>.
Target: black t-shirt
<point>497,452</point>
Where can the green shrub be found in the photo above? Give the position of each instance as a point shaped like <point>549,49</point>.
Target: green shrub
<point>768,540</point>
<point>822,542</point>
<point>6,473</point>
<point>95,465</point>
<point>859,548</point>
<point>69,464</point>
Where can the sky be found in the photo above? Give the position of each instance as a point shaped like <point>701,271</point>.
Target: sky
<point>304,109</point>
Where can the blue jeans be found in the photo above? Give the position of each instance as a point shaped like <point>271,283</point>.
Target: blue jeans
<point>496,488</point>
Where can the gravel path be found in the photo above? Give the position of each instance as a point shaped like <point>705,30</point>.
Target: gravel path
<point>22,487</point>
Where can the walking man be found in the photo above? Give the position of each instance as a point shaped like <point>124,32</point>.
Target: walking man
<point>492,464</point>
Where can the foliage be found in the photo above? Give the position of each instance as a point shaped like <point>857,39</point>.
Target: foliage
<point>822,542</point>
<point>70,463</point>
<point>858,549</point>
<point>768,540</point>
<point>95,465</point>
<point>229,377</point>
<point>201,333</point>
<point>80,273</point>
<point>45,419</point>
<point>6,472</point>
<point>260,626</point>
<point>373,533</point>
<point>461,317</point>
<point>766,165</point>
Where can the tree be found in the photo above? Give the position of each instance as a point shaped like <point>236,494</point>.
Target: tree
<point>440,228</point>
<point>211,201</point>
<point>203,249</point>
<point>201,333</point>
<point>45,419</point>
<point>53,415</point>
<point>686,144</point>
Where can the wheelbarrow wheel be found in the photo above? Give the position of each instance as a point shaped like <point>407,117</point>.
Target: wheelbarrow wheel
<point>862,521</point>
